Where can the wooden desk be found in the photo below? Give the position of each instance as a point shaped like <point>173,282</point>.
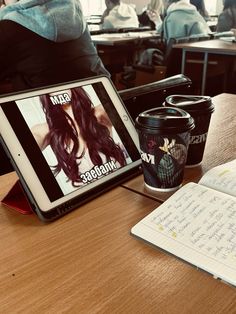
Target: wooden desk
<point>220,146</point>
<point>117,39</point>
<point>87,262</point>
<point>215,46</point>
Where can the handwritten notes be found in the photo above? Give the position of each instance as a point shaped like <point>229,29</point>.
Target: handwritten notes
<point>222,178</point>
<point>201,219</point>
<point>198,223</point>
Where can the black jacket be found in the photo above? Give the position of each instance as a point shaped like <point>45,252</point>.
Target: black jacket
<point>29,60</point>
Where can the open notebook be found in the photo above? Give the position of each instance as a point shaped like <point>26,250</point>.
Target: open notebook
<point>198,223</point>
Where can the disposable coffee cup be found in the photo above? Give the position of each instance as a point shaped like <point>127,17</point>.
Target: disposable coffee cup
<point>164,135</point>
<point>201,109</point>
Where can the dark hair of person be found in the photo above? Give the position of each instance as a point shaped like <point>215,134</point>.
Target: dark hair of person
<point>172,1</point>
<point>229,4</point>
<point>144,20</point>
<point>115,1</point>
<point>200,5</point>
<point>63,135</point>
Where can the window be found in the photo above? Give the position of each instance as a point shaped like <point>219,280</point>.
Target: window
<point>93,7</point>
<point>214,7</point>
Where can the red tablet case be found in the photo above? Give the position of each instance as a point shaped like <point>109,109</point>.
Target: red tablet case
<point>17,199</point>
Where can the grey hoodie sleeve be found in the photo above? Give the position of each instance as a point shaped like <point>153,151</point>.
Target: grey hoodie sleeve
<point>56,20</point>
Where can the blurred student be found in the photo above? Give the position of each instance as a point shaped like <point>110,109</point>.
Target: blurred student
<point>200,5</point>
<point>183,20</point>
<point>152,14</point>
<point>45,42</point>
<point>227,18</point>
<point>119,15</point>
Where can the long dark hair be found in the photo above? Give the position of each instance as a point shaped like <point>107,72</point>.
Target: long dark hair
<point>63,135</point>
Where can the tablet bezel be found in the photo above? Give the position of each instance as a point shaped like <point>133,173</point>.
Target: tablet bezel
<point>39,200</point>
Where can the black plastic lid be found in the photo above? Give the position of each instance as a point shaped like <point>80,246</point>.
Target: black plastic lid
<point>191,103</point>
<point>165,120</point>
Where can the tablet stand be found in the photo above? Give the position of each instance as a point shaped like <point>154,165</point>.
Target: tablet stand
<point>17,199</point>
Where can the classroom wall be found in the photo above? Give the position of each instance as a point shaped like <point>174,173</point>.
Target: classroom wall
<point>139,4</point>
<point>219,6</point>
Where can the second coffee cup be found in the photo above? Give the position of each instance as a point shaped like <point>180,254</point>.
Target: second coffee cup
<point>164,137</point>
<point>200,108</point>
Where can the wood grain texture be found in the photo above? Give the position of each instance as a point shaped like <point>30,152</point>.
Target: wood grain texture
<point>220,146</point>
<point>86,262</point>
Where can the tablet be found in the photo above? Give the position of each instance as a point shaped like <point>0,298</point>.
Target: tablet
<point>68,143</point>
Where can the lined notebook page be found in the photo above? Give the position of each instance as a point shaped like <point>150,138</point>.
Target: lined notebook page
<point>198,225</point>
<point>222,178</point>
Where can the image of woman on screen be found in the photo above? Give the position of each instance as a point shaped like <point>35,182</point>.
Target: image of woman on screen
<point>79,134</point>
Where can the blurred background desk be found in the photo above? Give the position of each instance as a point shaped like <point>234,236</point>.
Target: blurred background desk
<point>94,22</point>
<point>121,38</point>
<point>118,50</point>
<point>214,47</point>
<point>220,146</point>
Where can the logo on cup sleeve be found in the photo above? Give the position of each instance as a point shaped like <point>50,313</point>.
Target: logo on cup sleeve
<point>149,158</point>
<point>198,139</point>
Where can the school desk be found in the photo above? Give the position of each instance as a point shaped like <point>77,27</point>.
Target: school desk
<point>87,262</point>
<point>207,47</point>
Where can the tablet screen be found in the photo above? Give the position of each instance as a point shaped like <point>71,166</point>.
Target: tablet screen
<point>70,138</point>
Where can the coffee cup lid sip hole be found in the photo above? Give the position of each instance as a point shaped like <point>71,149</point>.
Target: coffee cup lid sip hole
<point>165,120</point>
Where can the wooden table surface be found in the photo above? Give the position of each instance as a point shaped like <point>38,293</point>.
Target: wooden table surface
<point>115,39</point>
<point>87,261</point>
<point>220,146</point>
<point>217,46</point>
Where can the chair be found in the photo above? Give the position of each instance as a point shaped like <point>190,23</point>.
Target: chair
<point>154,65</point>
<point>149,68</point>
<point>138,75</point>
<point>181,40</point>
<point>145,75</point>
<point>141,98</point>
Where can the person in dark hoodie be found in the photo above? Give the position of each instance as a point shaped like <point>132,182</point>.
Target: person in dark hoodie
<point>119,15</point>
<point>44,42</point>
<point>227,18</point>
<point>200,5</point>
